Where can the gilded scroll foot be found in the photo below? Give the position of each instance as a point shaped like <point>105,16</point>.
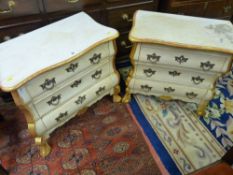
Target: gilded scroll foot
<point>201,108</point>
<point>116,96</point>
<point>200,112</point>
<point>127,97</point>
<point>44,147</point>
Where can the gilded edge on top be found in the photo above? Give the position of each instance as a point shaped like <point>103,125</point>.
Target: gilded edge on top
<point>21,83</point>
<point>173,44</point>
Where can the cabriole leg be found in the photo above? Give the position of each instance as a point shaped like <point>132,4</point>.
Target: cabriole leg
<point>43,146</point>
<point>127,97</point>
<point>202,107</point>
<point>116,96</point>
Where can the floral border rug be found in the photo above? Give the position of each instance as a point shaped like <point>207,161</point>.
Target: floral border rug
<point>184,141</point>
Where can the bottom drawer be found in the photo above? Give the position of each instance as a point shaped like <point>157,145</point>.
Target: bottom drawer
<point>64,113</point>
<point>185,93</point>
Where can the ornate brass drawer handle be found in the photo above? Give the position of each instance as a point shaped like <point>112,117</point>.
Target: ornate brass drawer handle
<point>197,80</point>
<point>72,67</point>
<point>126,17</point>
<point>153,58</point>
<point>191,95</point>
<point>48,84</point>
<point>6,38</point>
<point>181,59</point>
<point>146,88</point>
<point>124,44</point>
<point>11,5</point>
<point>227,8</point>
<point>95,59</point>
<point>97,74</point>
<point>149,72</point>
<point>207,66</point>
<point>100,90</point>
<point>169,90</point>
<point>80,100</point>
<point>61,116</point>
<point>72,1</point>
<point>174,73</point>
<point>76,83</point>
<point>54,101</point>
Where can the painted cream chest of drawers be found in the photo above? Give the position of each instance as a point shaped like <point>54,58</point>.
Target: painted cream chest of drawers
<point>178,57</point>
<point>58,71</point>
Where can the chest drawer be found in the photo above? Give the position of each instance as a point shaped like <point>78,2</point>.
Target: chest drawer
<point>219,9</point>
<point>121,18</point>
<point>16,8</point>
<point>123,2</point>
<point>123,44</point>
<point>204,61</point>
<point>68,5</point>
<point>192,9</point>
<point>69,89</point>
<point>12,32</point>
<point>205,8</point>
<point>189,94</point>
<point>176,75</point>
<point>94,13</point>
<point>49,80</point>
<point>84,99</point>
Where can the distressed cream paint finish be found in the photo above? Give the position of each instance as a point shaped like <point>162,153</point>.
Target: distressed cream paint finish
<point>26,56</point>
<point>183,31</point>
<point>178,57</point>
<point>58,71</point>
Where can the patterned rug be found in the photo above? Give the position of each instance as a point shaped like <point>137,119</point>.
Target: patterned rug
<point>184,141</point>
<point>104,140</point>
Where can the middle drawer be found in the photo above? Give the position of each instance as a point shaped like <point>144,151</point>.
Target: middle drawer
<point>76,85</point>
<point>176,75</point>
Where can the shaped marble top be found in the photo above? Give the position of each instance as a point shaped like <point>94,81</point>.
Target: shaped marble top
<point>29,55</point>
<point>182,31</point>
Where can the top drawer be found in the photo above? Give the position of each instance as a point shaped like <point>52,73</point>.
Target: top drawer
<point>218,9</point>
<point>196,9</point>
<point>125,2</point>
<point>201,60</point>
<point>49,80</point>
<point>121,18</point>
<point>16,8</point>
<point>70,5</point>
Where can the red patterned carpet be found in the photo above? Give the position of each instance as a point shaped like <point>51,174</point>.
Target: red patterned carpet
<point>103,141</point>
